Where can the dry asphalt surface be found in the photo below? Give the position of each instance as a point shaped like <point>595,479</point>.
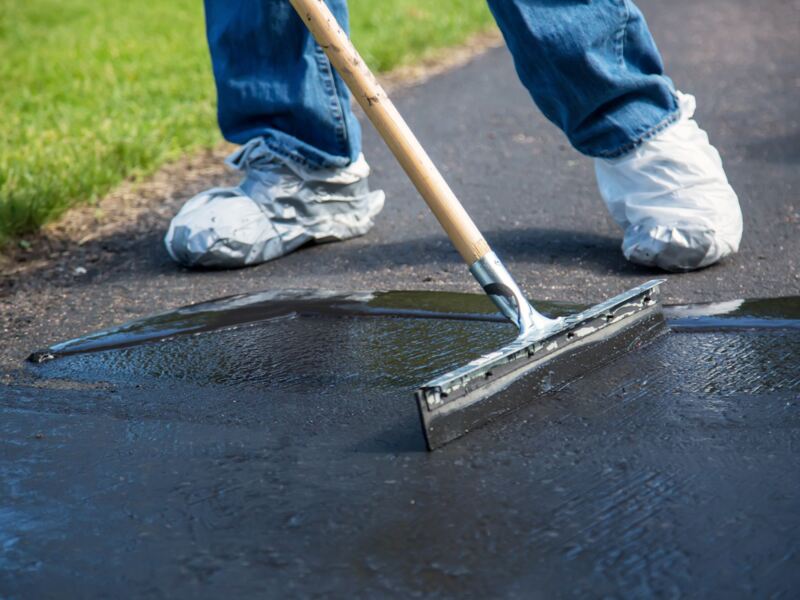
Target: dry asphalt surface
<point>533,196</point>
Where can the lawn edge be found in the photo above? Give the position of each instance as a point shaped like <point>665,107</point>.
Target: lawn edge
<point>140,198</point>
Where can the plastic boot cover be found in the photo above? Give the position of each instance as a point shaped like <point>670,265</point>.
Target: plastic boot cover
<point>672,198</point>
<point>277,208</point>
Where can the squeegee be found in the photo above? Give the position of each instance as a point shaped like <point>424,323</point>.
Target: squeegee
<point>548,353</point>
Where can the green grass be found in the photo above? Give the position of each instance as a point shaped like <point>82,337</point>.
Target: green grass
<point>96,91</point>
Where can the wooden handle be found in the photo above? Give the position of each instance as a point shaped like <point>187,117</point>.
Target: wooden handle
<point>393,129</point>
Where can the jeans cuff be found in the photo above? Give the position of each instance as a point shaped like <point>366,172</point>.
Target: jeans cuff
<point>642,134</point>
<point>307,157</point>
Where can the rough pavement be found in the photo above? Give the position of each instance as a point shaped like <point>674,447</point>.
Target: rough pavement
<point>284,457</point>
<point>534,197</point>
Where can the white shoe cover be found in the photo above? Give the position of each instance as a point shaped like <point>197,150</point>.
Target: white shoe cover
<point>277,208</point>
<point>672,198</point>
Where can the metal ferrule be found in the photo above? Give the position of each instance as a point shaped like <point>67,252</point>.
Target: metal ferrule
<point>497,282</point>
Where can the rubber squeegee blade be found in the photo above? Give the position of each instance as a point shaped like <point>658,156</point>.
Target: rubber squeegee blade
<point>499,382</point>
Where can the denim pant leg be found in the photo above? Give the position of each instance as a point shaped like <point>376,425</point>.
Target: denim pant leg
<point>274,81</point>
<point>592,68</point>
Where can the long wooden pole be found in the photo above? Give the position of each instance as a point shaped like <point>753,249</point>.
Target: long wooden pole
<point>392,127</point>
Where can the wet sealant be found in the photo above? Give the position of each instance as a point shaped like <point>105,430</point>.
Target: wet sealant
<point>273,447</point>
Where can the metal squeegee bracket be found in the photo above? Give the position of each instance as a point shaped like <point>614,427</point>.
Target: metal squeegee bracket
<point>453,403</point>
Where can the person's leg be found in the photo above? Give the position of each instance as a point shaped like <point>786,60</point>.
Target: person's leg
<point>305,179</point>
<point>274,82</point>
<point>594,70</point>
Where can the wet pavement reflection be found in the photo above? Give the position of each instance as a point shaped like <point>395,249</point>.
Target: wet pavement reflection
<point>270,444</point>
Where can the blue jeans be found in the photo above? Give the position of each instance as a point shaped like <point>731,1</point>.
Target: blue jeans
<point>591,67</point>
